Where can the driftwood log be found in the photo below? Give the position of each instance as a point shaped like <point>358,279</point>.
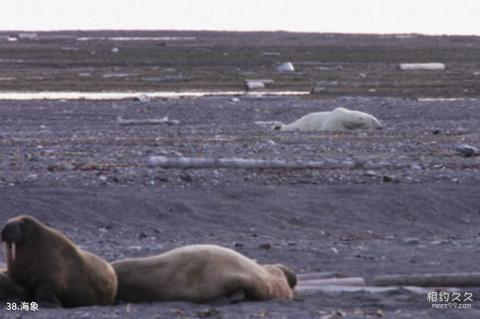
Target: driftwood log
<point>200,162</point>
<point>430,280</point>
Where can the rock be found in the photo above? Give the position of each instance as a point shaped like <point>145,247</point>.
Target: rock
<point>257,84</point>
<point>107,226</point>
<point>69,167</point>
<point>371,173</point>
<point>31,178</point>
<point>266,53</point>
<point>441,242</point>
<point>186,178</point>
<point>237,244</point>
<point>416,167</point>
<point>365,257</point>
<point>142,235</point>
<point>265,246</point>
<point>411,241</point>
<point>103,179</point>
<point>208,312</point>
<point>254,84</point>
<point>142,98</point>
<point>466,150</point>
<point>286,67</point>
<point>389,178</point>
<point>317,90</point>
<point>421,66</point>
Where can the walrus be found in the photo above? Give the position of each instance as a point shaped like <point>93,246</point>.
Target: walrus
<point>9,289</point>
<point>200,274</point>
<point>53,270</point>
<point>336,120</point>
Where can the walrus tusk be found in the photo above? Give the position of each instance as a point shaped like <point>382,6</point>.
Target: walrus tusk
<point>9,250</point>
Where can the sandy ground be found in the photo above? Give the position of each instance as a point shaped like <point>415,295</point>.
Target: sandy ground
<point>409,205</point>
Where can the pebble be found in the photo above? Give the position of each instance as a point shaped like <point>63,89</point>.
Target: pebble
<point>142,235</point>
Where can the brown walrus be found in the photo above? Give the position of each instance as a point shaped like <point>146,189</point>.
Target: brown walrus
<point>201,273</point>
<point>52,269</point>
<point>9,289</point>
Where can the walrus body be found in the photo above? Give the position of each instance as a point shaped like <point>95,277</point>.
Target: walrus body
<point>52,269</point>
<point>9,289</point>
<point>201,273</point>
<point>337,120</point>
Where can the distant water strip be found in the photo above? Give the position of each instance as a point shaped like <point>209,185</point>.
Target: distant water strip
<point>131,95</point>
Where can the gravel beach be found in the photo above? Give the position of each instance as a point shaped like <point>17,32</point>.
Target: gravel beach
<point>407,203</point>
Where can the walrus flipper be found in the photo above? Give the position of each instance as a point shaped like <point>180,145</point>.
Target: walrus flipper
<point>46,297</point>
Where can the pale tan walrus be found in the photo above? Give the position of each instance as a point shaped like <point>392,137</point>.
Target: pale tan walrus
<point>53,270</point>
<point>201,273</point>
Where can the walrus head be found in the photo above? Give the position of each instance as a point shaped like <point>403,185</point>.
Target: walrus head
<point>14,233</point>
<point>289,274</point>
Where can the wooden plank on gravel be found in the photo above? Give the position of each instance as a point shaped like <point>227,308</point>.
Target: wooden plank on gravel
<point>430,280</point>
<point>350,281</point>
<point>318,275</point>
<point>304,291</point>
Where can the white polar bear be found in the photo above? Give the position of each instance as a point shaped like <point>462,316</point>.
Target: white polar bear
<point>336,120</point>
